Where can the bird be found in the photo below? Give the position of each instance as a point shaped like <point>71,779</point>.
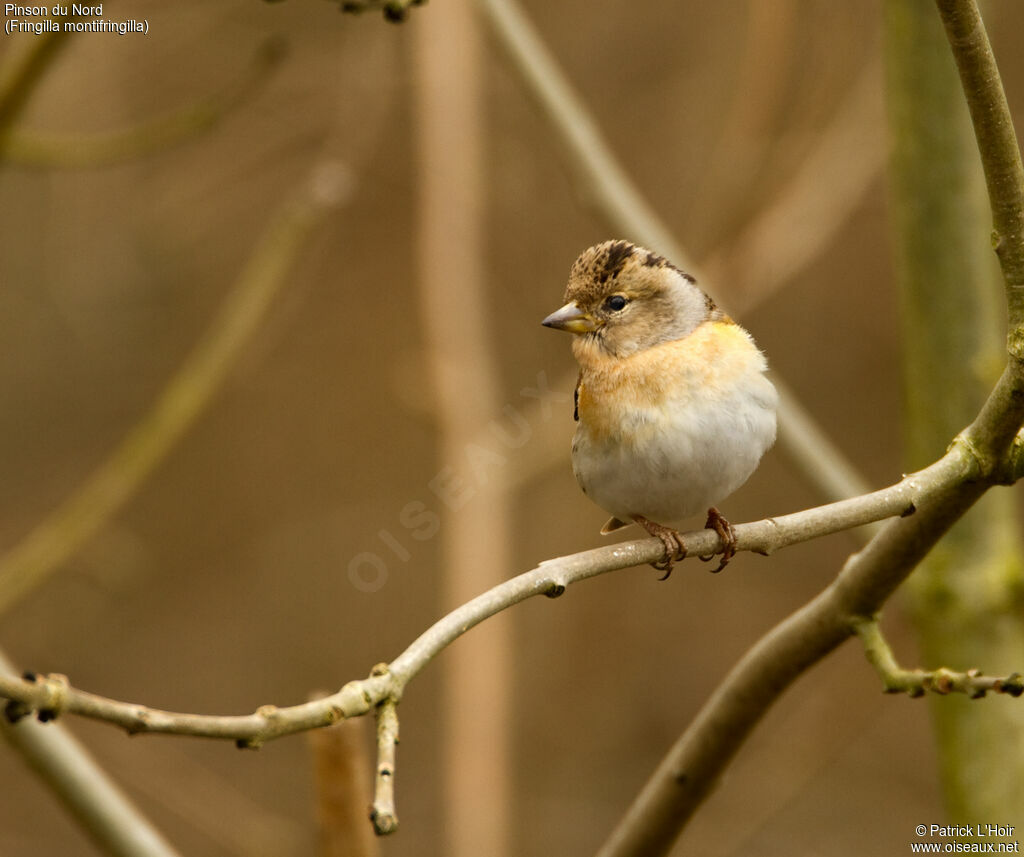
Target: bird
<point>672,405</point>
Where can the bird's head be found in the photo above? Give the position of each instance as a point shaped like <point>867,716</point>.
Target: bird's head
<point>624,299</point>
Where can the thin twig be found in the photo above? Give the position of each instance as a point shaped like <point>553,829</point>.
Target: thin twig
<point>340,766</point>
<point>896,679</point>
<point>103,810</point>
<point>691,768</point>
<point>986,453</point>
<point>74,151</point>
<point>928,501</point>
<point>200,376</point>
<point>52,696</point>
<point>383,814</point>
<point>997,143</point>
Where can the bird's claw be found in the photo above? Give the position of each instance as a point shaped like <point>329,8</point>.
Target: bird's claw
<point>674,547</point>
<point>726,533</point>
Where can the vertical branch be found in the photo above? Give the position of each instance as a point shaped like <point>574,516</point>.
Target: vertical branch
<point>340,766</point>
<point>997,143</point>
<point>458,330</point>
<point>384,814</point>
<point>965,595</point>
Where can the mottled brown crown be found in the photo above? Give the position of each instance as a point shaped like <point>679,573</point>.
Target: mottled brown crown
<point>661,302</point>
<point>597,269</point>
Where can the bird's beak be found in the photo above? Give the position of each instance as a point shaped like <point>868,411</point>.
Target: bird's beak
<point>571,318</point>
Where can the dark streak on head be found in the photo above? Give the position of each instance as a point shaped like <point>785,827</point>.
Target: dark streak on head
<point>653,260</point>
<point>618,253</point>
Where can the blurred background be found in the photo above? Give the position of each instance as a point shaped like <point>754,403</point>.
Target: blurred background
<point>272,553</point>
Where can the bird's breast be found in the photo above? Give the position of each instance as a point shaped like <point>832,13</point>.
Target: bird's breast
<point>623,400</point>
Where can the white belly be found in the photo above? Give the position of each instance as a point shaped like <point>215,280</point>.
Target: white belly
<point>691,457</point>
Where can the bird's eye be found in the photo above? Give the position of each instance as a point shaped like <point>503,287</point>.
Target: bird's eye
<point>615,303</point>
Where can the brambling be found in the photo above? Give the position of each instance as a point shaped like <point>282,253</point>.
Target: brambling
<point>673,407</point>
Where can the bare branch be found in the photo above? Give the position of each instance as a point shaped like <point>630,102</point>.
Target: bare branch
<point>997,143</point>
<point>383,814</point>
<point>688,773</point>
<point>83,787</point>
<point>691,768</point>
<point>896,679</point>
<point>340,765</point>
<point>51,696</point>
<point>982,455</point>
<point>928,503</point>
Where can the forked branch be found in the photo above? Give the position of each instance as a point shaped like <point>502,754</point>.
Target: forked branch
<point>991,450</point>
<point>52,696</point>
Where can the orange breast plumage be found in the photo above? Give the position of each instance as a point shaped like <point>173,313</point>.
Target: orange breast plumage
<point>672,429</point>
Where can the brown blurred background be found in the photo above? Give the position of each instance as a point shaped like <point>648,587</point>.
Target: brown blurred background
<point>224,584</point>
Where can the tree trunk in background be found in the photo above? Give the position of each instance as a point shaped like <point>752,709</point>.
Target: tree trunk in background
<point>966,595</point>
<point>459,334</point>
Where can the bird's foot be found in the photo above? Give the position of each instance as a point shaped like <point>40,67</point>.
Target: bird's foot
<point>674,547</point>
<point>726,533</point>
